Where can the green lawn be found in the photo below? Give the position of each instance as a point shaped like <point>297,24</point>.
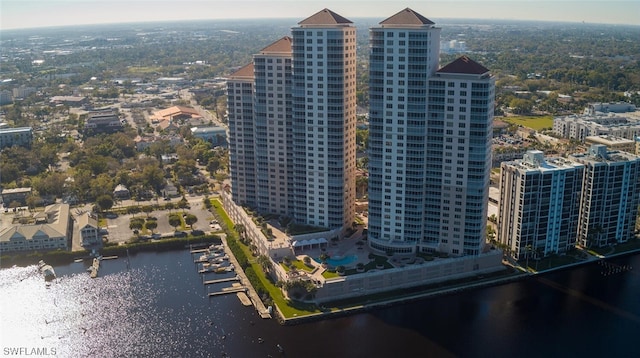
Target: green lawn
<point>288,308</point>
<point>533,122</point>
<point>632,244</point>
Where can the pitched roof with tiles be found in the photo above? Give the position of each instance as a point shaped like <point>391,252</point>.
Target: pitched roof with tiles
<point>243,72</point>
<point>281,46</point>
<point>464,65</point>
<point>407,17</point>
<point>325,17</point>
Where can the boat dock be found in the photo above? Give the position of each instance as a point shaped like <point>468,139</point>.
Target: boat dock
<point>244,298</point>
<point>197,251</point>
<point>228,290</point>
<point>229,279</point>
<point>221,257</point>
<point>251,292</point>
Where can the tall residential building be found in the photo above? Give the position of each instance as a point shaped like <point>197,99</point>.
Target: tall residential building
<point>429,145</point>
<point>539,205</point>
<point>242,160</point>
<point>292,121</point>
<point>324,120</point>
<point>610,196</point>
<point>272,127</point>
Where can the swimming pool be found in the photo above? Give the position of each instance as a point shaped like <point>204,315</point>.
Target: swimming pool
<point>338,261</point>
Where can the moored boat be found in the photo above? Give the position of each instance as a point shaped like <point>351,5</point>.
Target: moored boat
<point>47,271</point>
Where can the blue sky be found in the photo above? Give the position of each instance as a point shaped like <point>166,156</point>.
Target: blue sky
<point>40,13</point>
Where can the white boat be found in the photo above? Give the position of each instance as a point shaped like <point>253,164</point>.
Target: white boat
<point>209,267</point>
<point>219,247</point>
<point>219,259</point>
<point>212,255</point>
<point>47,271</point>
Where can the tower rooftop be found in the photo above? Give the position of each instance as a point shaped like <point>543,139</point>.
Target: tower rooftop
<point>464,65</point>
<point>325,17</point>
<point>407,17</point>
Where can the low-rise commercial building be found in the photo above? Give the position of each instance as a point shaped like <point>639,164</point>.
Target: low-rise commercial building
<point>21,136</point>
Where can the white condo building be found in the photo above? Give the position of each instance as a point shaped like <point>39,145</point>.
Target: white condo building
<point>610,196</point>
<point>324,120</point>
<point>292,122</point>
<point>539,205</point>
<point>429,145</point>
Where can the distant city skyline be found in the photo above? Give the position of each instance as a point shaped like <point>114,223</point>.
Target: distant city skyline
<point>16,14</point>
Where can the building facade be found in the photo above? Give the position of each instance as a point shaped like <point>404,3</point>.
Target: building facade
<point>324,120</point>
<point>600,119</point>
<point>539,205</point>
<point>242,161</point>
<point>610,196</point>
<point>292,117</point>
<point>429,146</point>
<point>50,229</point>
<point>21,136</point>
<point>272,127</point>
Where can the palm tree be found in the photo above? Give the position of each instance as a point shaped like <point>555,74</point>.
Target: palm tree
<point>240,229</point>
<point>265,262</point>
<point>362,183</point>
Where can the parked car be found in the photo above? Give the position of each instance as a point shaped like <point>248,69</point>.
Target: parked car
<point>197,232</point>
<point>179,234</point>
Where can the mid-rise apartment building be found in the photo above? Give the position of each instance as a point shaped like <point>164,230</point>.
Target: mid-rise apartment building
<point>21,136</point>
<point>539,205</point>
<point>610,196</point>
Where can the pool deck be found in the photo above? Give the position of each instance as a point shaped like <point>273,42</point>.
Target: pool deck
<point>342,248</point>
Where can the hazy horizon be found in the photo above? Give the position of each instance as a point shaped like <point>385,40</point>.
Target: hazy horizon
<point>26,14</point>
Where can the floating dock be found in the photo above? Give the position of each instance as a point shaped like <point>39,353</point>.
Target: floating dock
<point>211,282</point>
<point>228,290</point>
<point>197,251</point>
<point>244,299</point>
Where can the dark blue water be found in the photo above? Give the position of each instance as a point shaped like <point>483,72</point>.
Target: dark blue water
<point>160,308</point>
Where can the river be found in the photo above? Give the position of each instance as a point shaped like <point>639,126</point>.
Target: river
<point>158,306</point>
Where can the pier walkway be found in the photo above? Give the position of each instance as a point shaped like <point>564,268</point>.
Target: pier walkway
<point>251,292</point>
<point>228,290</point>
<point>229,279</point>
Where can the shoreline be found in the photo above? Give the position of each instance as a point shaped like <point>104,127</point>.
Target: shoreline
<point>435,292</point>
<point>67,257</point>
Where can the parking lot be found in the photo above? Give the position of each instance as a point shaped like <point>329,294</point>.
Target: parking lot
<point>119,231</point>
